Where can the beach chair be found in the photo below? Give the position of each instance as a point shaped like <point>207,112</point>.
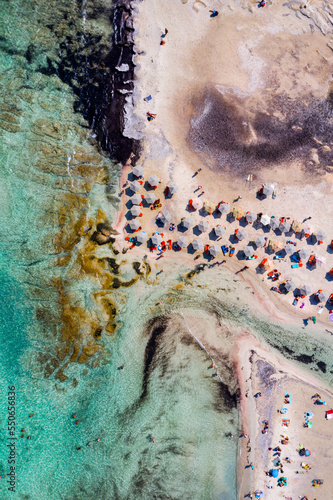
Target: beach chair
<point>225,251</point>
<point>263,262</point>
<point>232,251</point>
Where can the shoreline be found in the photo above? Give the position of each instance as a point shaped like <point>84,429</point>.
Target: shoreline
<point>163,153</point>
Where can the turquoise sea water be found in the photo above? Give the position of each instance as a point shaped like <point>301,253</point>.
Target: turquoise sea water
<point>53,180</point>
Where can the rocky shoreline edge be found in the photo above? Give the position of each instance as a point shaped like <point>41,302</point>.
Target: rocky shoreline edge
<point>111,128</point>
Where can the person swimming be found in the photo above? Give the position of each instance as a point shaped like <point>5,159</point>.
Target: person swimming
<point>151,438</point>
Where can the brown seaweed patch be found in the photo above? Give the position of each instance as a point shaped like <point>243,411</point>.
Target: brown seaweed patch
<point>136,267</point>
<point>117,283</point>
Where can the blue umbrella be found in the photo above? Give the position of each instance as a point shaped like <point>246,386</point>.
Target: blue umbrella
<point>274,472</point>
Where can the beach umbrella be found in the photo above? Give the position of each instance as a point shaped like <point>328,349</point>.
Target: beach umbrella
<point>241,234</point>
<point>219,230</point>
<point>153,181</point>
<point>320,260</point>
<point>268,189</point>
<point>165,217</point>
<point>150,198</point>
<point>197,204</point>
<point>305,290</point>
<point>307,229</point>
<point>250,217</point>
<point>237,212</point>
<point>323,297</point>
<point>320,236</point>
<point>289,249</point>
<point>135,211</point>
<point>203,226</point>
<point>290,286</point>
<point>197,244</point>
<point>303,254</point>
<point>284,227</point>
<point>260,241</point>
<point>135,186</point>
<point>134,224</point>
<point>214,250</point>
<point>136,199</point>
<point>223,208</point>
<point>182,242</point>
<point>142,237</point>
<point>156,239</point>
<point>274,222</point>
<point>274,472</point>
<point>188,222</point>
<point>209,207</point>
<point>296,226</point>
<point>248,251</point>
<point>277,245</point>
<point>268,265</point>
<point>265,220</point>
<point>173,188</point>
<point>138,171</point>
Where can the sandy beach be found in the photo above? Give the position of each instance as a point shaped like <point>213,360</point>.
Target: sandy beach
<point>236,102</point>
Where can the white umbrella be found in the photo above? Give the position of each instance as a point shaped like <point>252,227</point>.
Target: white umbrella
<point>150,198</point>
<point>284,227</point>
<point>241,234</point>
<point>289,249</point>
<point>142,237</point>
<point>260,241</point>
<point>320,260</point>
<point>165,217</point>
<point>182,242</point>
<point>307,229</point>
<point>248,251</point>
<point>250,217</point>
<point>224,208</point>
<point>303,254</point>
<point>136,199</point>
<point>320,235</point>
<point>153,181</point>
<point>173,188</point>
<point>268,189</point>
<point>138,171</point>
<point>290,286</point>
<point>156,239</point>
<point>188,222</point>
<point>135,211</point>
<point>214,250</point>
<point>274,222</point>
<point>305,290</point>
<point>197,204</point>
<point>203,226</point>
<point>219,230</point>
<point>197,244</point>
<point>135,186</point>
<point>134,224</point>
<point>265,220</point>
<point>323,297</point>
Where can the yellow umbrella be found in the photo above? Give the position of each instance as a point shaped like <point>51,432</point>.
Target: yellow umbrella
<point>296,226</point>
<point>209,207</point>
<point>237,212</point>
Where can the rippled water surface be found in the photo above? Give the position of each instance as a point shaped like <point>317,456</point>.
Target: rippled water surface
<point>73,311</point>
